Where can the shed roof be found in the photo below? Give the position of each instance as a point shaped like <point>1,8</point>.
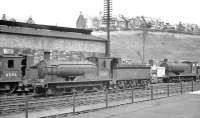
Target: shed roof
<point>46,31</point>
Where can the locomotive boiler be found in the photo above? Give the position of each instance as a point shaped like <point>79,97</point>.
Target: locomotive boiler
<point>69,70</point>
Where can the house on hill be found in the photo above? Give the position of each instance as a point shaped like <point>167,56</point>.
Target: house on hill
<point>7,18</point>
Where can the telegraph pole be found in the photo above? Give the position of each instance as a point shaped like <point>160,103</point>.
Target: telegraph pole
<point>107,19</point>
<point>144,39</point>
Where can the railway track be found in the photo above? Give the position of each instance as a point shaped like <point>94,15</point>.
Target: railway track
<point>13,105</point>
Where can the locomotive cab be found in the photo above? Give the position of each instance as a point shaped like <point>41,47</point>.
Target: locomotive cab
<point>104,66</point>
<point>10,76</point>
<point>13,72</point>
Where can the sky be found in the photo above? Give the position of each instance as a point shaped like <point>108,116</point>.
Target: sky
<point>65,12</point>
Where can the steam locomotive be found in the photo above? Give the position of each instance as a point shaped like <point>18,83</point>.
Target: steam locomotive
<point>175,71</point>
<point>18,75</point>
<point>96,74</point>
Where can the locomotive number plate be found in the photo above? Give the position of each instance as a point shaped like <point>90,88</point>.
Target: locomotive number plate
<point>104,73</point>
<point>11,74</point>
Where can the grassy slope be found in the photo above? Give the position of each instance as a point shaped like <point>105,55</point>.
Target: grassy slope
<point>159,45</point>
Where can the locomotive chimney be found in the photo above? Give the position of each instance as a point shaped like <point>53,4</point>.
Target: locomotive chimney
<point>165,60</point>
<point>47,55</point>
<point>151,62</point>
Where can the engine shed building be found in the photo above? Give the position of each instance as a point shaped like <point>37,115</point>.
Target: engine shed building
<point>63,43</point>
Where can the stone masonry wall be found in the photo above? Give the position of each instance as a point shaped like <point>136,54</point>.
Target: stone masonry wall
<point>61,49</point>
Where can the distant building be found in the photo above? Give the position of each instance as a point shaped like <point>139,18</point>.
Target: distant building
<point>4,17</point>
<point>30,20</point>
<point>81,21</point>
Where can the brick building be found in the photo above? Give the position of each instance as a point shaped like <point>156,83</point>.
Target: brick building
<point>63,43</point>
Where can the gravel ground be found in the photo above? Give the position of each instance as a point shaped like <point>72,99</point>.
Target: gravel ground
<point>185,106</point>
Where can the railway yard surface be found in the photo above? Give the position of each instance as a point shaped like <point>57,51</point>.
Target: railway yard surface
<point>186,105</point>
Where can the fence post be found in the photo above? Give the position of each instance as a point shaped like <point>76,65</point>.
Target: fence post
<point>192,85</point>
<point>106,92</point>
<point>132,99</point>
<point>74,102</point>
<point>168,89</point>
<point>151,92</point>
<point>26,107</point>
<point>181,87</point>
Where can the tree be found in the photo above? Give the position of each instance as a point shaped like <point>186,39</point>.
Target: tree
<point>126,21</point>
<point>96,23</point>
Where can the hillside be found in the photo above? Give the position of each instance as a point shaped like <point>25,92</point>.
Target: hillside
<point>158,45</point>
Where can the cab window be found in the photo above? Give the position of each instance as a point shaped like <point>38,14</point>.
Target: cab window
<point>10,63</point>
<point>104,64</point>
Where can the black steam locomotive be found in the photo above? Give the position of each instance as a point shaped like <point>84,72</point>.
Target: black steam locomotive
<point>19,75</point>
<point>96,74</point>
<point>180,71</point>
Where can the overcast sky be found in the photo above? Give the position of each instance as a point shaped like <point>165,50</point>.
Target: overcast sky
<point>65,12</point>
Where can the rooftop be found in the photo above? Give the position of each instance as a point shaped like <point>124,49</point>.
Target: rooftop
<point>46,31</point>
<point>47,27</point>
